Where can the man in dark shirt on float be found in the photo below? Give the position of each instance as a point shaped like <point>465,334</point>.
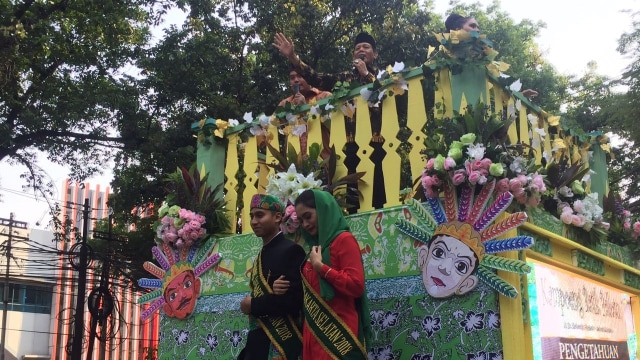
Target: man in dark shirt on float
<point>274,320</point>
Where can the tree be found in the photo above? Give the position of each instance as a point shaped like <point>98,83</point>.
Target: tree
<point>63,89</point>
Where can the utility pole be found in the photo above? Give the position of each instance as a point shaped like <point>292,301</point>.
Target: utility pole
<point>5,296</point>
<point>101,301</point>
<point>78,331</point>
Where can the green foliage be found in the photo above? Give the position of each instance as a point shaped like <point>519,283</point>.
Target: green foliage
<point>63,89</point>
<point>189,190</point>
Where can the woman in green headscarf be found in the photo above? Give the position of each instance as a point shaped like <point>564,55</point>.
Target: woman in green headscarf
<point>335,307</point>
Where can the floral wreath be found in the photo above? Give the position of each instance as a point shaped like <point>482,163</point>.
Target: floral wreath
<point>471,221</point>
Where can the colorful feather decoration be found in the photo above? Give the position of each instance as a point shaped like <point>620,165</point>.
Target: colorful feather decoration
<point>168,252</point>
<point>464,203</point>
<point>436,210</point>
<point>207,264</point>
<point>510,222</point>
<point>205,250</point>
<point>481,201</point>
<point>413,231</point>
<point>162,260</point>
<point>450,201</point>
<point>152,308</point>
<point>150,283</point>
<point>423,216</point>
<point>510,265</point>
<point>496,283</point>
<point>149,296</point>
<point>192,254</point>
<point>153,269</point>
<point>512,244</point>
<point>500,204</point>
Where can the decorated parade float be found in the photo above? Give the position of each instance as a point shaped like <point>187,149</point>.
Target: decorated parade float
<point>486,227</point>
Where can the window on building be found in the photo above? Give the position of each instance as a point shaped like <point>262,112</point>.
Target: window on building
<point>28,298</point>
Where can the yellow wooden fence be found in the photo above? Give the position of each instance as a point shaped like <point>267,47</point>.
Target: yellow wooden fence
<point>528,118</point>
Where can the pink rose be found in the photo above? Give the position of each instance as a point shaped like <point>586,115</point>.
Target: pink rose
<point>636,226</point>
<point>626,225</point>
<point>201,219</point>
<point>519,193</point>
<point>474,177</point>
<point>449,163</point>
<point>459,176</point>
<point>605,225</point>
<point>514,184</point>
<point>430,163</point>
<point>578,220</point>
<point>566,217</point>
<point>486,163</point>
<point>626,213</point>
<point>538,182</point>
<point>563,206</point>
<point>502,186</point>
<point>522,179</point>
<point>578,206</point>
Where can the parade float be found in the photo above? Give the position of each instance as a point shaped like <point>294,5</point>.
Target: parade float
<point>462,168</point>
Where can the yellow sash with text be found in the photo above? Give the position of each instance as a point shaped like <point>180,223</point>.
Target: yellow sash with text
<point>282,331</point>
<point>328,328</point>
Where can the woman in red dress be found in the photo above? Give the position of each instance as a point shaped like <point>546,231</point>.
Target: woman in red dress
<point>336,314</point>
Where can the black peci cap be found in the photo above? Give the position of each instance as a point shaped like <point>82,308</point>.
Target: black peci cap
<point>364,37</point>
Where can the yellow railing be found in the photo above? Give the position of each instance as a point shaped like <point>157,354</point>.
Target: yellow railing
<point>527,117</point>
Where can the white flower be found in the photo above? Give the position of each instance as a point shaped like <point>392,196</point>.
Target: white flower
<point>264,120</point>
<point>517,166</point>
<point>516,85</point>
<point>315,110</point>
<point>380,74</point>
<point>540,132</point>
<point>518,105</point>
<point>398,66</point>
<point>291,118</point>
<point>233,122</point>
<point>309,182</point>
<point>299,130</point>
<point>348,109</point>
<point>533,119</point>
<point>328,107</point>
<point>256,130</point>
<point>565,191</point>
<point>476,151</point>
<point>248,117</point>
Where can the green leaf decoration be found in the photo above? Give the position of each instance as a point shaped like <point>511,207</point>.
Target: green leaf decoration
<point>150,296</point>
<point>413,231</point>
<point>501,263</point>
<point>424,216</point>
<point>496,283</point>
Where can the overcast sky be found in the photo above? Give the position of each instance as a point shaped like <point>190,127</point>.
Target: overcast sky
<point>577,32</point>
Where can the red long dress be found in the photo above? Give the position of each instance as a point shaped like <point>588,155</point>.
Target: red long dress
<point>347,278</point>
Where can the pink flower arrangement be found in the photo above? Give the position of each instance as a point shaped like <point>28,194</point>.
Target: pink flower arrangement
<point>179,227</point>
<point>475,164</point>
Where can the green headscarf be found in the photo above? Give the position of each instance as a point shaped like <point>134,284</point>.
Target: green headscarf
<point>331,223</point>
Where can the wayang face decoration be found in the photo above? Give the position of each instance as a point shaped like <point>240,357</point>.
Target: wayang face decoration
<point>178,284</point>
<point>458,240</point>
